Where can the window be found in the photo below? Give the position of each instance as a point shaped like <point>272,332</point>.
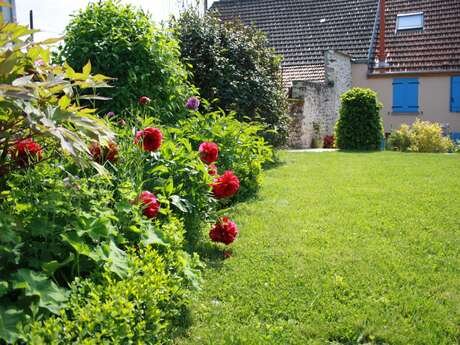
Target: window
<point>410,21</point>
<point>455,95</point>
<point>405,95</point>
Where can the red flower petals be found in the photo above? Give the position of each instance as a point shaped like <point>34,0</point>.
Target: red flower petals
<point>209,152</point>
<point>27,150</point>
<point>225,186</point>
<point>102,154</point>
<point>144,100</point>
<point>225,231</point>
<point>151,139</point>
<point>151,204</point>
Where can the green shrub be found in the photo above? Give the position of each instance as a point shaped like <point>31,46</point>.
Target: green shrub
<point>241,149</point>
<point>234,64</point>
<point>122,42</point>
<point>400,139</point>
<point>146,307</point>
<point>422,136</point>
<point>359,126</point>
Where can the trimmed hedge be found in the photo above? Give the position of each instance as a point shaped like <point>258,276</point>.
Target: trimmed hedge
<point>359,126</point>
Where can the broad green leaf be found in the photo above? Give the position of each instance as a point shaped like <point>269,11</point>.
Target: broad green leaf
<point>52,266</point>
<point>9,320</point>
<point>115,258</point>
<point>51,297</point>
<point>152,236</point>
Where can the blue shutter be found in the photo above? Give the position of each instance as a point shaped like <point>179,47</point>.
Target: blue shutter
<point>405,95</point>
<point>455,95</point>
<point>398,96</point>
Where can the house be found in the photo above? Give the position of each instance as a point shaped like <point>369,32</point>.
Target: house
<point>9,13</point>
<point>408,51</point>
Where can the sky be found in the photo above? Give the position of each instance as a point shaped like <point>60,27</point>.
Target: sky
<point>51,16</point>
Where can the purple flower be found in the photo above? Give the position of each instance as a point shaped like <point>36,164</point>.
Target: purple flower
<point>110,114</point>
<point>193,103</point>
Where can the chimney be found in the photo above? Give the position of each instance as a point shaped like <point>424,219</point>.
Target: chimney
<point>382,51</point>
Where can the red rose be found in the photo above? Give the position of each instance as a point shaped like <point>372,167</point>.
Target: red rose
<point>144,100</point>
<point>151,138</point>
<point>212,170</point>
<point>225,186</point>
<point>224,231</point>
<point>209,152</point>
<point>27,150</point>
<point>107,153</point>
<point>151,204</point>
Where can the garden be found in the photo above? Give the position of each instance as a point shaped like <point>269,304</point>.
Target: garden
<point>132,208</point>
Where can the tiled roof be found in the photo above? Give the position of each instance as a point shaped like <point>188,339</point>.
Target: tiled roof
<point>436,48</point>
<point>305,72</point>
<point>301,30</point>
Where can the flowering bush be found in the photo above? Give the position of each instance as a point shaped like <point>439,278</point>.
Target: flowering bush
<point>226,185</point>
<point>224,231</point>
<point>329,142</point>
<point>241,149</point>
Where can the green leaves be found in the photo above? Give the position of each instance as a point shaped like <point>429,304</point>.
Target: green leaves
<point>9,319</point>
<point>35,284</point>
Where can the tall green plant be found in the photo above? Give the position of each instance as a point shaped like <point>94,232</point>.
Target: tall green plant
<point>359,126</point>
<point>234,64</point>
<point>122,42</point>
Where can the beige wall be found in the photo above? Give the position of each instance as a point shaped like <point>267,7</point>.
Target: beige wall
<point>434,99</point>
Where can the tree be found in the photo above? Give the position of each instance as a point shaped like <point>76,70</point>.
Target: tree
<point>234,65</point>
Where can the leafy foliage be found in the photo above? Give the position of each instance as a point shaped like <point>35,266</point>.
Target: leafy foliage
<point>122,42</point>
<point>422,136</point>
<point>42,100</point>
<point>234,64</point>
<point>359,126</point>
<point>144,307</point>
<point>240,148</point>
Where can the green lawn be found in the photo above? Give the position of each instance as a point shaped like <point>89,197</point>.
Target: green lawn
<point>341,248</point>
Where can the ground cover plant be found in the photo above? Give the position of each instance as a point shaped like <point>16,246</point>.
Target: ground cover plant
<point>233,65</point>
<point>359,126</point>
<point>341,248</point>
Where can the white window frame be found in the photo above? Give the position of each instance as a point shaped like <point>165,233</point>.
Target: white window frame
<point>417,27</point>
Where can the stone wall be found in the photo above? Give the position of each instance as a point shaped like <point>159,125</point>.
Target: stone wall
<point>321,101</point>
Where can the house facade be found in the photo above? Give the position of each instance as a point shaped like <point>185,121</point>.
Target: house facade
<point>408,51</point>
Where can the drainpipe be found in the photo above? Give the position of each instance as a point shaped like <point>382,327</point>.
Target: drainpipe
<point>382,50</point>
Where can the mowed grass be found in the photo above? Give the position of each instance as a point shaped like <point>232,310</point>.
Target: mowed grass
<point>341,248</point>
